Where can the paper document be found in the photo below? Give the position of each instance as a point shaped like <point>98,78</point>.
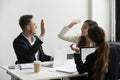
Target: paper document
<point>26,66</point>
<point>69,67</point>
<point>67,70</point>
<point>47,63</point>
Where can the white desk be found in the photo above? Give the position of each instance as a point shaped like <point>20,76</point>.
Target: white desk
<point>45,73</point>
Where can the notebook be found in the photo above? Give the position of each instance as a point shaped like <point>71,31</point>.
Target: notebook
<point>85,51</point>
<point>60,58</point>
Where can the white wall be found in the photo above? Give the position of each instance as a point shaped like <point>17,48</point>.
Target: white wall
<point>56,14</point>
<point>101,14</point>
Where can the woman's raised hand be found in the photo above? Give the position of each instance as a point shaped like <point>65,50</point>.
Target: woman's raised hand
<point>75,21</point>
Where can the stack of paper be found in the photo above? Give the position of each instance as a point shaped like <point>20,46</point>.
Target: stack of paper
<point>66,68</point>
<point>25,66</point>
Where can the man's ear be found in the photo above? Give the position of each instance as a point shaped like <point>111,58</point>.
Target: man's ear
<point>28,27</point>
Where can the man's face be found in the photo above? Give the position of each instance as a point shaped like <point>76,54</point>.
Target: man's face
<point>32,27</point>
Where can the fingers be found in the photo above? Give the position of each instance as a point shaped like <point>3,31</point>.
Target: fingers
<point>42,28</point>
<point>74,48</point>
<point>76,21</point>
<point>71,46</point>
<point>42,23</point>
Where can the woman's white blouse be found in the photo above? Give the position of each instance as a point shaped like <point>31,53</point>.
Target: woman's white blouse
<point>70,38</point>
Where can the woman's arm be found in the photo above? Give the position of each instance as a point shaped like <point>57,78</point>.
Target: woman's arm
<point>87,65</point>
<point>66,37</point>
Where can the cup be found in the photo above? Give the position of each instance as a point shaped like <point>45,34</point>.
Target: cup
<point>37,66</point>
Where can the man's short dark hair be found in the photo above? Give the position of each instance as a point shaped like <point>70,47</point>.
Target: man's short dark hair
<point>24,21</point>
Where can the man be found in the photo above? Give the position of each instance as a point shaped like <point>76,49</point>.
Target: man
<point>28,46</point>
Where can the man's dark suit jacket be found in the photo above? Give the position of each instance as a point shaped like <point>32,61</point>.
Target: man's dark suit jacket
<point>25,52</point>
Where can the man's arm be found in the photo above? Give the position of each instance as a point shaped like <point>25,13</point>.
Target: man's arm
<point>21,47</point>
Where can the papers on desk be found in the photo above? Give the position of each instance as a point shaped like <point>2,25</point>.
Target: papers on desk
<point>66,68</point>
<point>47,63</point>
<point>25,66</point>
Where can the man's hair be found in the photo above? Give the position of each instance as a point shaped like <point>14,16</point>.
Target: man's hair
<point>24,21</point>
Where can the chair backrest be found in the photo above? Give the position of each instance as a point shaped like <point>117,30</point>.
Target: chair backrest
<point>119,66</point>
<point>117,44</point>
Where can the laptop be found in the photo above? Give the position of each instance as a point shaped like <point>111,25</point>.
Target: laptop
<point>60,58</point>
<point>71,67</point>
<point>85,51</point>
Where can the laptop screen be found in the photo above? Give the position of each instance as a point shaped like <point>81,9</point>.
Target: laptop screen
<point>60,57</point>
<point>86,51</point>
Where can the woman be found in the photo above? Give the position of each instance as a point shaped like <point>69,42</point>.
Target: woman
<point>80,40</point>
<point>103,63</point>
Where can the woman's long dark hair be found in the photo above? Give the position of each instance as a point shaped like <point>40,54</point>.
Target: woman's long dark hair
<point>100,67</point>
<point>82,40</point>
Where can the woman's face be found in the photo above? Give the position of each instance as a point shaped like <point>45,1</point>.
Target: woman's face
<point>84,29</point>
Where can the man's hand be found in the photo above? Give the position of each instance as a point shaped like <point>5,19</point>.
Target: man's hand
<point>42,28</point>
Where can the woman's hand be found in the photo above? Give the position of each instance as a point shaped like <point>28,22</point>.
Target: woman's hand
<point>76,21</point>
<point>74,48</point>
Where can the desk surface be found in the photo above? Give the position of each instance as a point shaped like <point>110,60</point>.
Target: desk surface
<point>45,73</point>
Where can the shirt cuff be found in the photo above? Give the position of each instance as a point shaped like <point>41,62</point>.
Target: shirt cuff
<point>41,38</point>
